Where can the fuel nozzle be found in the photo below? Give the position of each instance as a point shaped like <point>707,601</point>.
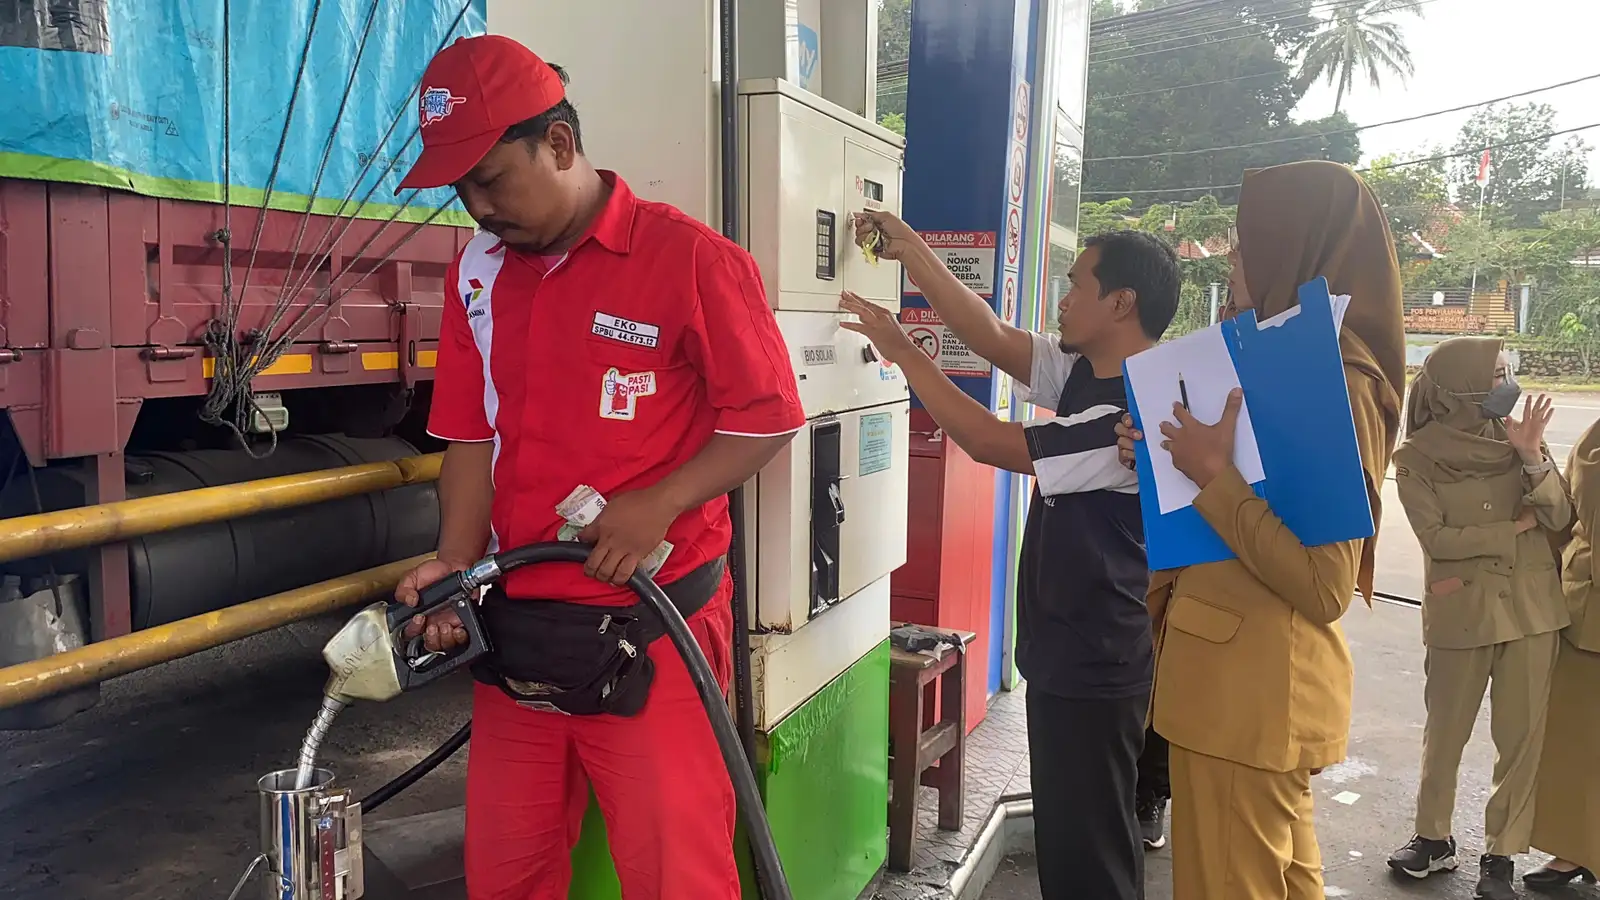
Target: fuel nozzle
<point>370,658</point>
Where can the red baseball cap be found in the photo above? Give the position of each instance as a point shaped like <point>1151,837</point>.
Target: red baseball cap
<point>472,91</point>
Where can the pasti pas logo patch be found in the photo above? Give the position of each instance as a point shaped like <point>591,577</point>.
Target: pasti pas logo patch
<point>620,393</point>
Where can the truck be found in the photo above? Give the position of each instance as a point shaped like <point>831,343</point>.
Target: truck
<point>204,281</point>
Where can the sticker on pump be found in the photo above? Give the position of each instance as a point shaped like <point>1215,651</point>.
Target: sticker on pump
<point>620,393</point>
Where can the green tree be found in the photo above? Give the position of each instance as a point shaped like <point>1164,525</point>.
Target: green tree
<point>1359,38</point>
<point>894,51</point>
<point>1413,197</point>
<point>1198,221</point>
<point>1540,257</point>
<point>1094,218</point>
<point>1526,179</point>
<point>1177,85</point>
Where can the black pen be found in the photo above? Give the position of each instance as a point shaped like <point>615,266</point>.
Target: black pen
<point>1183,391</point>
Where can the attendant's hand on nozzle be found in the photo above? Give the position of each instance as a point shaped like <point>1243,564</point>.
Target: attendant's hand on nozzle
<point>898,238</point>
<point>879,326</point>
<point>1127,436</point>
<point>442,630</point>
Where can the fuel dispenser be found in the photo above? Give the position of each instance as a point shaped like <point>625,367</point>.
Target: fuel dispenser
<point>828,515</point>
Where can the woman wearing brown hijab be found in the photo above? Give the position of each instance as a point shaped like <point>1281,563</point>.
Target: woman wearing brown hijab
<point>1253,677</point>
<point>1485,502</point>
<point>1566,817</point>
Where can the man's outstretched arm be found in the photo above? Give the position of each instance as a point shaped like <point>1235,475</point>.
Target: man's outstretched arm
<point>968,316</point>
<point>1068,454</point>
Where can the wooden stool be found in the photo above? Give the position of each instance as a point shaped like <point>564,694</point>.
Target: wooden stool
<point>916,750</point>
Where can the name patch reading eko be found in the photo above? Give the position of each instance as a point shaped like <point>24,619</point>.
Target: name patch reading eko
<point>616,328</point>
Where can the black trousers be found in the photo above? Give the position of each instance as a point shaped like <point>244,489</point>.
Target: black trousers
<point>1084,757</point>
<point>1154,781</point>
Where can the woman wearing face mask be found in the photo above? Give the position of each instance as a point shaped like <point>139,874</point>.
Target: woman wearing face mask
<point>1253,678</point>
<point>1484,500</point>
<point>1566,818</point>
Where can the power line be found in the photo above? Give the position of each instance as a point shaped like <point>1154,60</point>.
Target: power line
<point>1359,128</point>
<point>1166,12</point>
<point>1397,165</point>
<point>1315,24</point>
<point>1179,87</point>
<point>898,67</point>
<point>1195,24</point>
<point>1235,23</point>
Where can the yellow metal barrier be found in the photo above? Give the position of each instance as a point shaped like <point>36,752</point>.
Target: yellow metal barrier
<point>99,661</point>
<point>90,526</point>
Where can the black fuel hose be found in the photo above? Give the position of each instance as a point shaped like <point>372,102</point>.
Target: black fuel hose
<point>769,868</point>
<point>412,775</point>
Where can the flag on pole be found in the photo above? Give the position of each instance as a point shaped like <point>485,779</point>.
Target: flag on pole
<point>1483,169</point>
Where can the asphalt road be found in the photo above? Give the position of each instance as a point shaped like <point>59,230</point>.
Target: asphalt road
<point>151,794</point>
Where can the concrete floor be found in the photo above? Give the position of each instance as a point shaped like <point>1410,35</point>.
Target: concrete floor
<point>151,795</point>
<point>1365,805</point>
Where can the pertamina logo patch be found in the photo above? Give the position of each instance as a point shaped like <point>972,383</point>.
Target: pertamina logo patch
<point>438,103</point>
<point>620,393</point>
<point>470,296</point>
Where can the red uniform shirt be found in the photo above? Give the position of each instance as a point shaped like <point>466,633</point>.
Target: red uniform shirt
<point>611,366</point>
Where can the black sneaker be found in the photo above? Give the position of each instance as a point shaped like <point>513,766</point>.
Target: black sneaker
<point>1423,857</point>
<point>1153,822</point>
<point>1494,878</point>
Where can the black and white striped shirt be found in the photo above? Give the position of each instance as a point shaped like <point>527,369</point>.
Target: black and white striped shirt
<point>1083,630</point>
<point>1077,451</point>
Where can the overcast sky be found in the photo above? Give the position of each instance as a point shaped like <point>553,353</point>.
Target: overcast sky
<point>1467,51</point>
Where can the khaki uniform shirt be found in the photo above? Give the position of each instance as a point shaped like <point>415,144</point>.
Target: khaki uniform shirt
<point>1578,584</point>
<point>1485,584</point>
<point>1251,664</point>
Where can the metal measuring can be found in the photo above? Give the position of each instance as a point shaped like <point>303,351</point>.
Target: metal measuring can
<point>311,838</point>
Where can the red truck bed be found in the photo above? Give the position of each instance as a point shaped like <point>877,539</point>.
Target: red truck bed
<point>104,296</point>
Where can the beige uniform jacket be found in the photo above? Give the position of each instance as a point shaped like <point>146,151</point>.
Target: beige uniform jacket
<point>1485,584</point>
<point>1582,590</point>
<point>1251,665</point>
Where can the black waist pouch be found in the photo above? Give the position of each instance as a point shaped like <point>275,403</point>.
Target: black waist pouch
<point>582,660</point>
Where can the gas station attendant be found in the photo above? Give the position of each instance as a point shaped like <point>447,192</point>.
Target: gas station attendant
<point>589,338</point>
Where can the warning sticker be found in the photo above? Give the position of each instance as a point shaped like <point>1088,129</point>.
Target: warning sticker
<point>928,332</point>
<point>1013,235</point>
<point>968,254</point>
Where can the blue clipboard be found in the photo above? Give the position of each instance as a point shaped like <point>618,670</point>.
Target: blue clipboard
<point>1293,379</point>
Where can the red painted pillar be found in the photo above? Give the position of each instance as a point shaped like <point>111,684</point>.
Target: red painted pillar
<point>946,580</point>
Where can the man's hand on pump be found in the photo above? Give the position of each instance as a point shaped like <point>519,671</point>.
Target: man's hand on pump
<point>898,238</point>
<point>880,327</point>
<point>629,529</point>
<point>442,630</point>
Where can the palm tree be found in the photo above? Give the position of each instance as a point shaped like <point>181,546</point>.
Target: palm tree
<point>1359,36</point>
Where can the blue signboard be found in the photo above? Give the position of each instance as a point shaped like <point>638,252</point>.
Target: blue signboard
<point>810,53</point>
<point>975,56</point>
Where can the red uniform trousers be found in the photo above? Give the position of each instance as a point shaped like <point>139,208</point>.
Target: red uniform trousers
<point>659,777</point>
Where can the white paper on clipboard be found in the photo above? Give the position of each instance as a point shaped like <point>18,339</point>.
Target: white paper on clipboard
<point>1202,361</point>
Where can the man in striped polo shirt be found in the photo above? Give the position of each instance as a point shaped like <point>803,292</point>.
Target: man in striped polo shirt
<point>1083,632</point>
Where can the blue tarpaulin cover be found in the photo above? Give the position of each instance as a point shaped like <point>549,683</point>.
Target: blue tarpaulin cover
<point>130,95</point>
